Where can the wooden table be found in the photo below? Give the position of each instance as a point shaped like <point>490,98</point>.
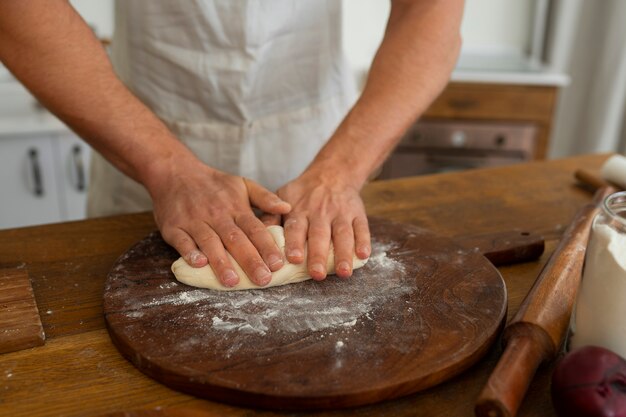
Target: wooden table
<point>79,372</point>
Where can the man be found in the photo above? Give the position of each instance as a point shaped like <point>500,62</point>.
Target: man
<point>227,95</point>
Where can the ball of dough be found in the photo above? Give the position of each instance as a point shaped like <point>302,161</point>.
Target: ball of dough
<point>290,273</point>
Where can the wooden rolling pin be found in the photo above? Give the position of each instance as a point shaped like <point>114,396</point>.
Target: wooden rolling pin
<point>537,331</point>
<point>613,173</point>
<point>590,179</point>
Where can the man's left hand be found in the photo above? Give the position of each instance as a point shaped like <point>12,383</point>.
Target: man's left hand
<point>324,209</point>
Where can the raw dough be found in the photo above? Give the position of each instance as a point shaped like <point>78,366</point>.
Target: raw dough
<point>290,273</point>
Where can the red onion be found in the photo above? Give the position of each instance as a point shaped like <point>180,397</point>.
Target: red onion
<point>590,382</point>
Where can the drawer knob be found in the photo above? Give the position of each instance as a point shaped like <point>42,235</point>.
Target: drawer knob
<point>458,138</point>
<point>500,140</point>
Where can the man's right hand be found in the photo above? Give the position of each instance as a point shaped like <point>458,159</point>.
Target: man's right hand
<point>203,213</point>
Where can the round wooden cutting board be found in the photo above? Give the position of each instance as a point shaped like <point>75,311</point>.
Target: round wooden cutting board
<point>421,311</point>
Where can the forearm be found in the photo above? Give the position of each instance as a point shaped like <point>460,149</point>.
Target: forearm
<point>51,50</point>
<point>411,67</point>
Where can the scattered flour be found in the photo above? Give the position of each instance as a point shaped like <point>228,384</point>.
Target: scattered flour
<point>336,303</point>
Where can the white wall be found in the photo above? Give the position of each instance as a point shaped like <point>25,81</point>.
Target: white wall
<point>98,13</point>
<point>589,44</point>
<point>489,26</point>
<point>497,25</point>
<point>363,28</point>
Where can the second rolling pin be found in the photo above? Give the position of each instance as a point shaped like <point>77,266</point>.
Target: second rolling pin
<point>613,172</point>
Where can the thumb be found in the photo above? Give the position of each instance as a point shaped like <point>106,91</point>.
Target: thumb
<point>261,198</point>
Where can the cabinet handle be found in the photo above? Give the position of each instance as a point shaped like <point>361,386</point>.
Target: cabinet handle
<point>79,167</point>
<point>33,156</point>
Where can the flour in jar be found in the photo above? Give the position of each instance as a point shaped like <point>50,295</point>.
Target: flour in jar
<point>601,307</point>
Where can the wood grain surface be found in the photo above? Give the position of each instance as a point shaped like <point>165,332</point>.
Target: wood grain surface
<point>420,311</point>
<point>78,372</point>
<point>161,412</point>
<point>20,326</point>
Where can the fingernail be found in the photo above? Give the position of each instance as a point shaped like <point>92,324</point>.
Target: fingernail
<point>343,267</point>
<point>275,262</point>
<point>295,253</point>
<point>230,278</point>
<point>364,251</point>
<point>262,275</point>
<point>318,270</point>
<point>196,257</point>
<point>279,201</point>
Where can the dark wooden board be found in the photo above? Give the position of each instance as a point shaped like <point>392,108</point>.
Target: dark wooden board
<point>20,324</point>
<point>415,317</point>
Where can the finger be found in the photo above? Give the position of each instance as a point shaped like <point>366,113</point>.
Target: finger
<point>185,246</point>
<point>271,219</point>
<point>261,239</point>
<point>210,243</point>
<point>296,228</point>
<point>264,199</point>
<point>362,238</point>
<point>243,251</point>
<point>343,240</point>
<point>318,246</point>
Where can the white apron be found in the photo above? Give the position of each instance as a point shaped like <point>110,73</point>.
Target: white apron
<point>253,87</point>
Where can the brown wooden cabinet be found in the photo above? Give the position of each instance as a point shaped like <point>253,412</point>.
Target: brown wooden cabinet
<point>502,103</point>
<point>473,125</point>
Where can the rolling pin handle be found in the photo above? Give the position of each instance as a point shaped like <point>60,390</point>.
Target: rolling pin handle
<point>590,179</point>
<point>507,385</point>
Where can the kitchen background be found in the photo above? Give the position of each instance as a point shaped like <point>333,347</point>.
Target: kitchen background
<point>536,79</point>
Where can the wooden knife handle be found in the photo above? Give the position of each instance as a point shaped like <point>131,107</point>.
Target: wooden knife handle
<point>504,248</point>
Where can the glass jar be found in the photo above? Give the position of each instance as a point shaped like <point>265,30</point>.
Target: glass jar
<point>600,312</point>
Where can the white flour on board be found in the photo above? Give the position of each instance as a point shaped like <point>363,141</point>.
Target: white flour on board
<point>258,311</point>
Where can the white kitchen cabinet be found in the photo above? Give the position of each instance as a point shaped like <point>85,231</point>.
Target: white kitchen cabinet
<point>43,165</point>
<point>43,178</point>
<point>27,182</point>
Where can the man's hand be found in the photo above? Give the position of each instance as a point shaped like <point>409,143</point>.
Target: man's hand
<point>324,209</point>
<point>203,213</point>
<point>410,69</point>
